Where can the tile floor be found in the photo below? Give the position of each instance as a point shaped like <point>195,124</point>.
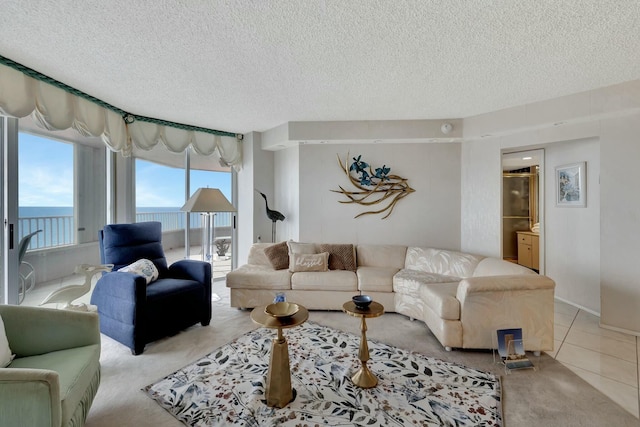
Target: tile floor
<point>608,360</point>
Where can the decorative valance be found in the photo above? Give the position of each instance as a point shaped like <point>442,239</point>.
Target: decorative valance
<point>56,106</point>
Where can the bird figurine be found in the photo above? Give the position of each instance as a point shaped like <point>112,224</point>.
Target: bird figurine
<point>272,215</point>
<point>67,294</point>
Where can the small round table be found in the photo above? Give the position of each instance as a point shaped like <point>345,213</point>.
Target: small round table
<point>364,378</point>
<point>278,388</point>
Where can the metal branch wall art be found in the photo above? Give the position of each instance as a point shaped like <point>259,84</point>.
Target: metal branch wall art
<point>373,186</point>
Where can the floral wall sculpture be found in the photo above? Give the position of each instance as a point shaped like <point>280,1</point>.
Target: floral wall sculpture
<point>372,187</point>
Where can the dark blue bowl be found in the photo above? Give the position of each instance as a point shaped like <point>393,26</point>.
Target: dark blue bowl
<point>362,301</point>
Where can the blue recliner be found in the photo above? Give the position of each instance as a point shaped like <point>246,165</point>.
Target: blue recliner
<point>134,313</point>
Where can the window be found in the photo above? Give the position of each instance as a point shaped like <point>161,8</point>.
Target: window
<point>160,194</point>
<point>45,190</point>
<point>60,190</point>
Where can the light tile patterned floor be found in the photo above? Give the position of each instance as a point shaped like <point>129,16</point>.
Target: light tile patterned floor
<point>608,360</point>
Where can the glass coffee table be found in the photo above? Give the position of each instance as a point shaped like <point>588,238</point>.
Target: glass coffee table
<point>364,378</point>
<point>278,389</point>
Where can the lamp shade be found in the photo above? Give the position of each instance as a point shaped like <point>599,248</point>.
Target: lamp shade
<point>208,200</point>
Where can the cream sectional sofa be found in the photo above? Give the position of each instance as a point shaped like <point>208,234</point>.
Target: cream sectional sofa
<point>463,298</point>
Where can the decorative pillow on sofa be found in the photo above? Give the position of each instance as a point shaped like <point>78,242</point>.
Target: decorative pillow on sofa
<point>142,267</point>
<point>5,352</point>
<point>278,255</point>
<point>341,256</point>
<point>309,262</point>
<point>299,248</point>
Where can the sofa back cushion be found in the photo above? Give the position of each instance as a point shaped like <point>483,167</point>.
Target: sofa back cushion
<point>341,256</point>
<point>440,261</point>
<point>122,244</point>
<point>390,256</point>
<point>499,267</point>
<point>257,255</point>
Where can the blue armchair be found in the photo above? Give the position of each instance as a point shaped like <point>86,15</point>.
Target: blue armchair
<point>134,313</point>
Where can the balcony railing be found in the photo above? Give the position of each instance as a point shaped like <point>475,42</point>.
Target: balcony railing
<point>60,230</point>
<point>56,230</point>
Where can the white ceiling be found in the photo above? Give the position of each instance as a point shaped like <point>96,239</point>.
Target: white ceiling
<point>242,65</point>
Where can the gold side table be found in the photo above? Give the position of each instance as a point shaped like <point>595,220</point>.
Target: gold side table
<point>278,387</point>
<point>364,378</point>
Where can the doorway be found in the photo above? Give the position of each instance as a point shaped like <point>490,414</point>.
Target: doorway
<point>523,208</point>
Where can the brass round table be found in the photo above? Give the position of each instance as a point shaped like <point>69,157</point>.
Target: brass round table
<point>364,378</point>
<point>278,385</point>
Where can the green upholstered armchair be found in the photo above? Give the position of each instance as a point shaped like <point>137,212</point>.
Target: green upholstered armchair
<point>56,371</point>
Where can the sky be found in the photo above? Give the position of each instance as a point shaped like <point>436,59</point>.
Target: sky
<point>46,177</point>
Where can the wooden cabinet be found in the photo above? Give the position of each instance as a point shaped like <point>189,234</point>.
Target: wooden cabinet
<point>529,249</point>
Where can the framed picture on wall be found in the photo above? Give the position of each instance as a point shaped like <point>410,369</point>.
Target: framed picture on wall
<point>571,185</point>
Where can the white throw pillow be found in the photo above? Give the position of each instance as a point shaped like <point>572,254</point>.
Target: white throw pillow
<point>142,267</point>
<point>297,248</point>
<point>5,352</point>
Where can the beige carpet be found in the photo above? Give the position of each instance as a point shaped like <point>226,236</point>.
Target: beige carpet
<point>550,396</point>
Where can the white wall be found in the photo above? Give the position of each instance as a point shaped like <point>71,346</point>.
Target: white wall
<point>428,217</point>
<point>620,222</point>
<point>609,115</point>
<point>287,193</point>
<point>572,235</point>
<point>256,172</point>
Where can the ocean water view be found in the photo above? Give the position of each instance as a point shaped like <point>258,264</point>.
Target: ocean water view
<point>57,222</point>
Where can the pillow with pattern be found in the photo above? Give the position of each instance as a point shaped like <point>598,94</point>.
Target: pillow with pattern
<point>309,262</point>
<point>142,267</point>
<point>278,255</point>
<point>341,256</point>
<point>296,248</point>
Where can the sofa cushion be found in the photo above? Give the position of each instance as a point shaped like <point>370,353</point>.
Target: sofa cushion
<point>376,279</point>
<point>278,255</point>
<point>381,255</point>
<point>331,280</point>
<point>409,282</point>
<point>251,276</point>
<point>439,261</point>
<point>441,298</point>
<point>309,262</point>
<point>498,267</point>
<point>76,368</point>
<point>341,256</point>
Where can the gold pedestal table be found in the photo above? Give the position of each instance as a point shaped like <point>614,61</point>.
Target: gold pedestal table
<point>278,387</point>
<point>364,378</point>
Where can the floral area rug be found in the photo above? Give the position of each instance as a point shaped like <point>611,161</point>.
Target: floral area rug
<point>227,387</point>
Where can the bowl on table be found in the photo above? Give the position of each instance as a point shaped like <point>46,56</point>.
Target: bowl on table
<point>362,301</point>
<point>282,309</point>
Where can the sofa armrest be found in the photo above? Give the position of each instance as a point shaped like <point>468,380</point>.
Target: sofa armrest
<point>118,284</point>
<point>35,330</point>
<point>29,397</point>
<point>496,302</point>
<point>199,271</point>
<point>503,283</point>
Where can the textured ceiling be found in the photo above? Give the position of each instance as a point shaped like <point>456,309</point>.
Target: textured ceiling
<point>246,65</point>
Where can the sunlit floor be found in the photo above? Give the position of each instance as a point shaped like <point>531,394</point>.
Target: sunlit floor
<point>606,359</point>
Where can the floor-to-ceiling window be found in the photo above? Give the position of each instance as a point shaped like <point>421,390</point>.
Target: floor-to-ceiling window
<point>161,191</point>
<point>55,182</point>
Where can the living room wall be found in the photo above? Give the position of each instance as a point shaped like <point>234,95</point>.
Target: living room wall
<point>428,217</point>
<point>610,115</point>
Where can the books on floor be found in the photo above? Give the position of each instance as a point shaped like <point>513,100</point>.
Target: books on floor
<point>511,349</point>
